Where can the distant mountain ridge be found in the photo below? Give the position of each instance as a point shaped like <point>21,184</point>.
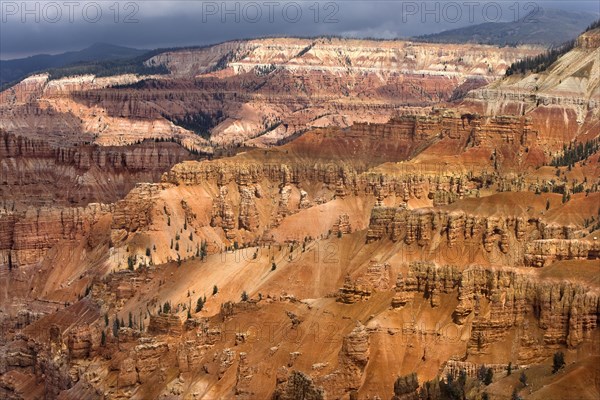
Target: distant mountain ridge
<point>546,27</point>
<point>13,70</point>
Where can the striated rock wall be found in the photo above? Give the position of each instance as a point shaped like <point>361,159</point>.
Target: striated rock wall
<point>144,363</point>
<point>352,292</point>
<point>133,212</point>
<point>244,183</point>
<point>327,54</point>
<point>376,278</point>
<point>512,237</point>
<point>34,172</point>
<point>562,100</point>
<point>352,361</point>
<point>295,385</point>
<point>244,85</point>
<point>26,236</point>
<point>342,225</point>
<point>165,324</point>
<point>403,291</point>
<point>564,313</point>
<point>455,367</point>
<point>47,349</point>
<point>541,253</point>
<point>589,40</point>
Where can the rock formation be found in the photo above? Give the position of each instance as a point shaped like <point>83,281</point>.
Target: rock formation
<point>301,218</point>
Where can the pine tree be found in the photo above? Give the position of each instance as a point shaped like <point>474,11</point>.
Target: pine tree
<point>558,361</point>
<point>116,327</point>
<point>130,263</point>
<point>523,378</point>
<point>481,373</point>
<point>462,379</point>
<point>203,250</point>
<point>489,376</point>
<point>200,304</point>
<point>515,394</point>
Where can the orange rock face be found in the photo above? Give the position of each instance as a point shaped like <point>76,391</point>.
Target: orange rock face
<point>330,230</point>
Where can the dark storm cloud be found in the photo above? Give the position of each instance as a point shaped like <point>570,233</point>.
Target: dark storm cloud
<point>57,26</point>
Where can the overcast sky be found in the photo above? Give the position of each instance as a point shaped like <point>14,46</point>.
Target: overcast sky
<point>52,27</point>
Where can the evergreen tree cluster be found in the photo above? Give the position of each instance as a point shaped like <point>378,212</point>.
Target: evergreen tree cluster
<point>110,68</point>
<point>263,70</point>
<point>540,62</point>
<point>223,61</point>
<point>200,123</point>
<point>454,389</point>
<point>576,152</point>
<point>304,51</point>
<point>593,25</point>
<point>593,223</point>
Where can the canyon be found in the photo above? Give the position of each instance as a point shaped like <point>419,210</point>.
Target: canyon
<point>303,219</point>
